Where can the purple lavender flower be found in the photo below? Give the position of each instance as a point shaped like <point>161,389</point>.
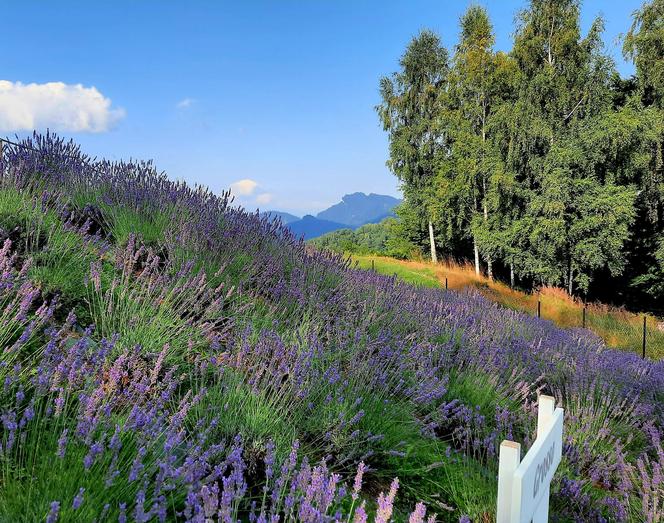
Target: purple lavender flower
<point>386,503</point>
<point>417,516</point>
<point>210,497</point>
<point>372,337</point>
<point>269,460</point>
<point>78,499</point>
<point>53,513</point>
<point>357,483</point>
<point>360,514</point>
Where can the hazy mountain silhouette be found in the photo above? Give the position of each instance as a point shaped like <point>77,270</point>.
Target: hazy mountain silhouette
<point>358,208</point>
<point>286,217</point>
<point>351,212</point>
<point>311,227</point>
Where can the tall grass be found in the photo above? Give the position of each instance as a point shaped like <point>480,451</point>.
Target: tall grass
<point>618,328</point>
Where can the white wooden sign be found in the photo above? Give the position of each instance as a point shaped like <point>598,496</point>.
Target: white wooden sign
<point>523,486</point>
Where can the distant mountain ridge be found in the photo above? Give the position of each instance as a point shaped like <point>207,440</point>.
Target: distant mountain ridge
<point>358,208</point>
<point>311,227</point>
<point>285,217</point>
<point>353,211</point>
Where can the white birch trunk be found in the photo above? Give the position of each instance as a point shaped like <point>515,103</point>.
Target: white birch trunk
<point>432,242</point>
<point>477,257</point>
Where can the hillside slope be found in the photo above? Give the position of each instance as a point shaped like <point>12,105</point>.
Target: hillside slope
<point>617,327</point>
<point>166,356</point>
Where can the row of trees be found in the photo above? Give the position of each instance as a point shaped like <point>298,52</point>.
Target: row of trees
<point>542,162</point>
<point>384,239</point>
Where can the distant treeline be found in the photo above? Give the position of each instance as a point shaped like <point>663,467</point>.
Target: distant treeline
<point>386,238</point>
<point>542,164</point>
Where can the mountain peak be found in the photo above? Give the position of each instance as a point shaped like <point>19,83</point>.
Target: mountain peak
<point>358,208</point>
<point>285,217</point>
<point>354,209</point>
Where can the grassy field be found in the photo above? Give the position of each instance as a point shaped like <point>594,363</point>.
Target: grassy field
<point>617,327</point>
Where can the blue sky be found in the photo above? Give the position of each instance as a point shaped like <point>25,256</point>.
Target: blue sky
<point>278,94</point>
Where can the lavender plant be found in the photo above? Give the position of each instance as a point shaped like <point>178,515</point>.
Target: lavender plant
<point>168,356</point>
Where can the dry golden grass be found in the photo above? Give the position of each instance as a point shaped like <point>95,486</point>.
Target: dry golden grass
<point>616,326</point>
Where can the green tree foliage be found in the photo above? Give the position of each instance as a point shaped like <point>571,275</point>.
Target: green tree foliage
<point>409,113</point>
<point>564,95</point>
<point>387,238</point>
<point>541,160</point>
<point>342,240</point>
<point>480,82</point>
<point>644,44</point>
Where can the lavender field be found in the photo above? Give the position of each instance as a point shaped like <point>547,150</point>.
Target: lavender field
<point>169,357</point>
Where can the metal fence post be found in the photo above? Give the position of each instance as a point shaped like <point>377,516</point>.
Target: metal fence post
<point>584,317</point>
<point>445,282</point>
<point>539,308</point>
<point>644,336</point>
<point>373,267</point>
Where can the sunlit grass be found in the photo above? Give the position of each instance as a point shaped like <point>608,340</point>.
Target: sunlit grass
<point>617,327</point>
<point>410,272</point>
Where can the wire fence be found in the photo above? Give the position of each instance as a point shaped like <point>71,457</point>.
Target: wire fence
<point>620,329</point>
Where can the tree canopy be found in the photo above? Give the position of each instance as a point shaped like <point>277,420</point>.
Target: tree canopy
<point>542,162</point>
<point>409,113</point>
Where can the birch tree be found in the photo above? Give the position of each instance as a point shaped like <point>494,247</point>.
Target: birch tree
<point>409,112</point>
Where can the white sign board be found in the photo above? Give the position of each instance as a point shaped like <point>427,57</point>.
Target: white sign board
<point>523,486</point>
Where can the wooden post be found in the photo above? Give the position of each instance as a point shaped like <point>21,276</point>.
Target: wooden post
<point>508,462</point>
<point>445,282</point>
<point>644,337</point>
<point>373,267</point>
<point>539,308</point>
<point>524,484</point>
<point>584,317</point>
<point>545,409</point>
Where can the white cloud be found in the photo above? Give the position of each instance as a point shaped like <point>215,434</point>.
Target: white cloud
<point>185,103</point>
<point>244,187</point>
<point>264,198</point>
<point>57,106</point>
